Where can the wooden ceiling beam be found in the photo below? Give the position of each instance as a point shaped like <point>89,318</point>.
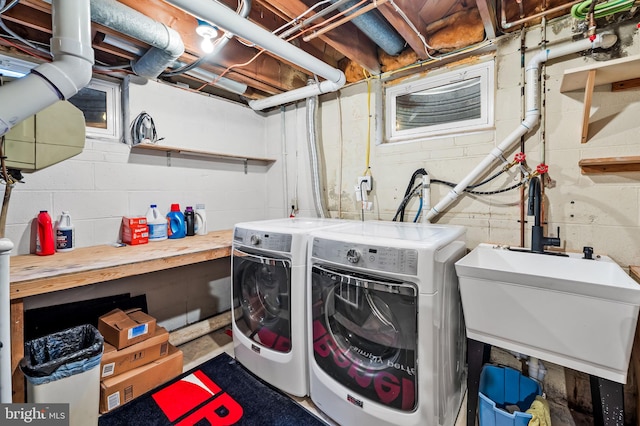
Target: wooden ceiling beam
<point>350,42</point>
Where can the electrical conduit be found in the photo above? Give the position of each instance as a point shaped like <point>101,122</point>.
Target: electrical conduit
<point>69,72</point>
<point>222,16</point>
<point>532,115</point>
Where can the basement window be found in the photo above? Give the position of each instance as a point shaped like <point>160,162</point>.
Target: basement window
<point>100,103</point>
<point>455,102</point>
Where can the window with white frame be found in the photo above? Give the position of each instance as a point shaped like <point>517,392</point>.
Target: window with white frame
<point>100,103</point>
<point>454,102</point>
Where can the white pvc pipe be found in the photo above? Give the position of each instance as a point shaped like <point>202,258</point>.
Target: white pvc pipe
<point>532,113</point>
<point>222,16</point>
<point>69,72</point>
<point>5,322</point>
<point>426,196</point>
<point>297,94</point>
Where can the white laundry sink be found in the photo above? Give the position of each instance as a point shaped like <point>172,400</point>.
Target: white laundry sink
<point>571,311</point>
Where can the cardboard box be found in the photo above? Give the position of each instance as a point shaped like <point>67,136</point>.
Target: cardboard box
<point>136,235</point>
<point>118,390</point>
<point>131,222</point>
<point>116,362</point>
<point>123,329</point>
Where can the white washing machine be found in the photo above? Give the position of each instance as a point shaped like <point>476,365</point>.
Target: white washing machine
<point>268,299</point>
<point>387,339</point>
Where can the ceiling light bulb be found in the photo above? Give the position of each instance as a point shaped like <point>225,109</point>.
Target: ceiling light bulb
<point>207,45</point>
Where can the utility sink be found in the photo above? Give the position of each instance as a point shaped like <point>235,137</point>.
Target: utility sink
<point>575,312</point>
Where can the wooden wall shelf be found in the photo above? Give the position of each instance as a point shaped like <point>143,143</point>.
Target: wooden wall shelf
<point>619,72</point>
<point>610,165</point>
<point>198,153</point>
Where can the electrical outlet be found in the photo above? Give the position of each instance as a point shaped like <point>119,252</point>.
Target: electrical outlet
<point>365,183</point>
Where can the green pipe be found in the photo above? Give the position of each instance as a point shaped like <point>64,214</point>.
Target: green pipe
<point>580,10</point>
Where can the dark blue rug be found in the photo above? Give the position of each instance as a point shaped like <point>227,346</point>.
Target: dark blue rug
<point>218,392</point>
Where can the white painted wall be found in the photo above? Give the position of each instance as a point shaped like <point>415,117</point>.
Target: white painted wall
<point>106,181</point>
<point>602,211</point>
<point>591,210</point>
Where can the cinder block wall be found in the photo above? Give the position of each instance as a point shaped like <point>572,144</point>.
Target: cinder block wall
<point>107,181</point>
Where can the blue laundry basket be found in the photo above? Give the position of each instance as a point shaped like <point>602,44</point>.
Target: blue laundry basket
<point>502,386</point>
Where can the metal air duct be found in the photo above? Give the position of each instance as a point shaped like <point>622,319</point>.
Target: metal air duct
<point>222,16</point>
<point>374,26</point>
<point>166,43</point>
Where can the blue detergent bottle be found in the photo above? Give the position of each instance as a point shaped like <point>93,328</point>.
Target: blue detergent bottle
<point>177,226</point>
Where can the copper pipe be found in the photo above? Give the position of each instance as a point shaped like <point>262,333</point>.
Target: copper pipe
<point>506,25</point>
<point>339,22</point>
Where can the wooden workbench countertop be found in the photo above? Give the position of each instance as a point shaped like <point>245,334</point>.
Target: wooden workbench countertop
<point>31,274</point>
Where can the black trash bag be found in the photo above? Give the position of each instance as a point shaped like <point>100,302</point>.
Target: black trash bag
<point>45,355</point>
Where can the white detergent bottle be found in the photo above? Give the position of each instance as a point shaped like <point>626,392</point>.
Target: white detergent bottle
<point>65,233</point>
<point>157,224</point>
<point>201,220</point>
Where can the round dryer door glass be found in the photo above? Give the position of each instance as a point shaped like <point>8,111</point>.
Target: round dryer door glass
<point>365,334</point>
<point>261,299</point>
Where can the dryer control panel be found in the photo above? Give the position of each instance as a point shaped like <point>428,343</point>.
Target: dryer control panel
<point>379,258</point>
<point>263,239</point>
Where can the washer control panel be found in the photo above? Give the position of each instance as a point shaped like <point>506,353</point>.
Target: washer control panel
<point>273,241</point>
<point>379,258</point>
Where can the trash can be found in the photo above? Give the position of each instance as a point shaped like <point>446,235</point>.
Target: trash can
<point>63,367</point>
<point>501,387</point>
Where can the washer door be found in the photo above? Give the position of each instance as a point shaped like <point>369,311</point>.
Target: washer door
<point>365,334</point>
<point>262,309</point>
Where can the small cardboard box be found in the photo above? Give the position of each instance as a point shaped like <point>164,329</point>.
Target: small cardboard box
<point>118,390</point>
<point>136,235</point>
<point>116,362</point>
<point>131,222</point>
<point>123,329</point>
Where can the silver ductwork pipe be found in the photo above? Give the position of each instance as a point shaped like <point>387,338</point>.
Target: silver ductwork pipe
<point>532,112</point>
<point>374,26</point>
<point>223,17</point>
<point>314,155</point>
<point>166,43</point>
<point>69,72</point>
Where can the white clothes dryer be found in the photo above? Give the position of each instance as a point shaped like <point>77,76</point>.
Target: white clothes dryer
<point>268,290</point>
<point>387,338</point>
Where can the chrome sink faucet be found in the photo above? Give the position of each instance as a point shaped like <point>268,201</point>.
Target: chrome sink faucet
<point>538,240</point>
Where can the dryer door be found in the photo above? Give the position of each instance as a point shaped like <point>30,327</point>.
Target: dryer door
<point>365,334</point>
<point>262,309</point>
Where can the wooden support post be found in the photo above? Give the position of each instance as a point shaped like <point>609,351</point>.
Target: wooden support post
<point>588,96</point>
<point>17,349</point>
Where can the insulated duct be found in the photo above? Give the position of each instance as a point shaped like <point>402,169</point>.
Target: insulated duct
<point>166,43</point>
<point>69,72</point>
<point>222,16</point>
<point>532,113</point>
<point>374,26</point>
<point>314,156</point>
